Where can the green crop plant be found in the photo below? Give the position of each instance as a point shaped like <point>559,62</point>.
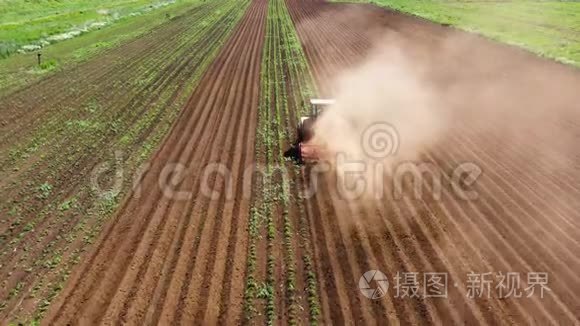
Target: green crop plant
<point>44,190</point>
<point>285,85</point>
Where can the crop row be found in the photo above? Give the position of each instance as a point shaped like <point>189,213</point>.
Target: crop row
<point>278,214</point>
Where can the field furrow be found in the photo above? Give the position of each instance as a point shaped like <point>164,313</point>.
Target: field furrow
<point>518,224</point>
<point>208,131</point>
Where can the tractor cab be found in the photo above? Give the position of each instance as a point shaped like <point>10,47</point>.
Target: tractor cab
<point>319,105</point>
<point>306,123</point>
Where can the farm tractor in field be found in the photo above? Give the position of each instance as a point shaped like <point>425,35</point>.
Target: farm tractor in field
<point>307,151</point>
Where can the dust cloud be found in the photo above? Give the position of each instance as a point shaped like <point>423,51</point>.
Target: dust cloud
<point>385,89</point>
<point>385,113</point>
<point>452,84</point>
<point>453,95</point>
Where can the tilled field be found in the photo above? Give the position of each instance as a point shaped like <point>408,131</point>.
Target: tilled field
<point>525,218</point>
<point>258,250</point>
<point>56,135</point>
<point>164,260</point>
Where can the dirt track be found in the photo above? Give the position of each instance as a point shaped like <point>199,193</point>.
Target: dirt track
<point>166,261</point>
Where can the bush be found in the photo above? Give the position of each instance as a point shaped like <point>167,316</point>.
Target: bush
<point>6,49</point>
<point>48,64</point>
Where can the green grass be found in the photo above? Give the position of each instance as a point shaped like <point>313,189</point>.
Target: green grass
<point>18,70</point>
<point>29,22</point>
<point>547,28</point>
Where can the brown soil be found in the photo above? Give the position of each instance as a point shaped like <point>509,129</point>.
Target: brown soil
<point>525,219</point>
<point>163,260</point>
<point>130,94</point>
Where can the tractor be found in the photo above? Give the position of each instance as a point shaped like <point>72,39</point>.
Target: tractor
<point>307,150</point>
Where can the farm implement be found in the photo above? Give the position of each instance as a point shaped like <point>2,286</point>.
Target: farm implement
<point>309,150</point>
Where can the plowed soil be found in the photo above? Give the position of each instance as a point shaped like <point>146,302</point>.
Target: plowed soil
<point>525,218</point>
<point>163,260</point>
